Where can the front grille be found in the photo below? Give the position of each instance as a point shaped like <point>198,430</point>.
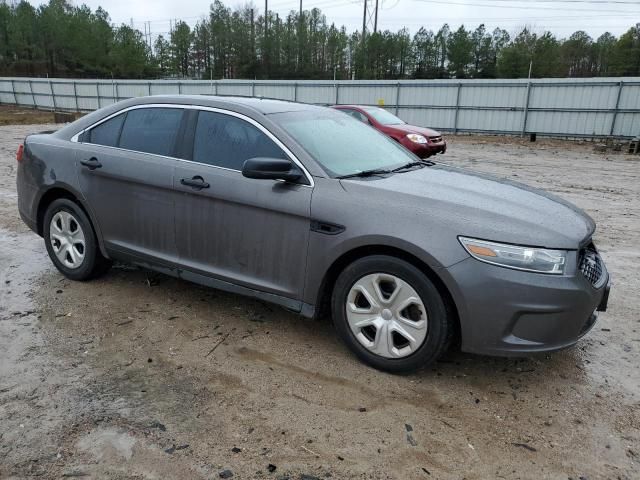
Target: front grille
<point>436,139</point>
<point>591,265</point>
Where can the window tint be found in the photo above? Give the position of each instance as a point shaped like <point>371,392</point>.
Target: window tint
<point>106,133</point>
<point>226,141</point>
<point>151,130</point>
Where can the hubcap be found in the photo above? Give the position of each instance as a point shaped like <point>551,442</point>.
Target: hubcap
<point>386,315</point>
<point>67,239</point>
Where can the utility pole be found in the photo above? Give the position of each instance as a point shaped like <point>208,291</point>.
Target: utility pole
<point>364,20</point>
<point>375,21</point>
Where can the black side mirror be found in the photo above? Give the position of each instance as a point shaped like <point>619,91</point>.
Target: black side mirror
<point>271,169</point>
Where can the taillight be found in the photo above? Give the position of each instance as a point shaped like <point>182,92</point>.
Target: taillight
<point>20,152</point>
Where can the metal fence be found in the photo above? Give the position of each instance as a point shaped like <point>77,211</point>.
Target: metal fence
<point>604,107</point>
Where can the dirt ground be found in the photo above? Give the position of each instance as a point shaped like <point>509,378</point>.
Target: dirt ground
<point>138,375</point>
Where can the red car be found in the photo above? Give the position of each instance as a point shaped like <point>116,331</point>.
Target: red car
<point>422,141</point>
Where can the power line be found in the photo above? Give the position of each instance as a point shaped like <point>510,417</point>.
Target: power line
<point>517,7</point>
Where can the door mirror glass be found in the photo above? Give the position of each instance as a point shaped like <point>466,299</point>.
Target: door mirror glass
<point>264,168</point>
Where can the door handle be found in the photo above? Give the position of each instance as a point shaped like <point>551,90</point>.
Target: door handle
<point>196,182</point>
<point>92,163</point>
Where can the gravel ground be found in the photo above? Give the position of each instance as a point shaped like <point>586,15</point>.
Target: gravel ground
<point>138,375</point>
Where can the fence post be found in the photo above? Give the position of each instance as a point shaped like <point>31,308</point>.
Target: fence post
<point>337,85</point>
<point>215,85</point>
<point>526,110</point>
<point>455,117</point>
<point>33,97</point>
<point>98,93</point>
<point>253,89</point>
<point>615,112</point>
<point>13,90</point>
<point>75,95</point>
<point>295,91</point>
<point>117,99</point>
<point>397,97</point>
<point>179,87</point>
<point>53,95</point>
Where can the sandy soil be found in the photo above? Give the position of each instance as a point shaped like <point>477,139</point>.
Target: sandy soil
<point>137,375</point>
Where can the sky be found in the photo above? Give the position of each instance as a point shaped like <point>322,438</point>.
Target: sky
<point>560,17</point>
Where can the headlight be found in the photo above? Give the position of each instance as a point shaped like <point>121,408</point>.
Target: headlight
<point>531,259</point>
<point>415,138</point>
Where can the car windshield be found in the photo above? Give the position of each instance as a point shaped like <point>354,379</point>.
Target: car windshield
<point>383,117</point>
<point>341,144</point>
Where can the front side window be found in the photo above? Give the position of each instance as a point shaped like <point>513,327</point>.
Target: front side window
<point>151,130</point>
<point>107,133</point>
<point>341,144</point>
<point>227,141</point>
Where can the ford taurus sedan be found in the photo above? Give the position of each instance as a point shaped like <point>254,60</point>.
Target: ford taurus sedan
<point>422,141</point>
<point>307,208</point>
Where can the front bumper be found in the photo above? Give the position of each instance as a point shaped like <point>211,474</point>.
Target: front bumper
<point>509,312</point>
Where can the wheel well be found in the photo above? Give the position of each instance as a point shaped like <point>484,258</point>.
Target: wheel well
<point>326,288</point>
<point>45,201</point>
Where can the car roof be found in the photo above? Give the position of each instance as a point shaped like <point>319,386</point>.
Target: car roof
<point>250,106</point>
<point>265,106</point>
<point>361,107</point>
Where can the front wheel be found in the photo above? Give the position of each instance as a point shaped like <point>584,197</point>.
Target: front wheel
<point>390,314</point>
<point>71,241</point>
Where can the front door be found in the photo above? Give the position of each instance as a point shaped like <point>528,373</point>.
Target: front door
<point>253,233</point>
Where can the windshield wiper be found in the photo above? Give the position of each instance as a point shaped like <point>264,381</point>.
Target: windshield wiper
<point>419,163</point>
<point>367,173</point>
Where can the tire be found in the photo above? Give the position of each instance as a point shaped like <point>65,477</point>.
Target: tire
<point>71,241</point>
<point>404,305</point>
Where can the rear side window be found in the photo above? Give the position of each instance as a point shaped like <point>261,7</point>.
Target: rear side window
<point>226,141</point>
<point>151,130</point>
<point>107,133</point>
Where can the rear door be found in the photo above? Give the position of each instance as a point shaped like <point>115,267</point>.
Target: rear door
<point>249,232</point>
<point>126,174</point>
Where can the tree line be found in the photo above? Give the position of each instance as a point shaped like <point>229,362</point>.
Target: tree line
<point>62,40</point>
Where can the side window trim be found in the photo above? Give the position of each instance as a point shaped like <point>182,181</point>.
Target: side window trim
<point>77,138</point>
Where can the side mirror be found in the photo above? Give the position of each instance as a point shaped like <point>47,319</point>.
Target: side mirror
<point>271,169</point>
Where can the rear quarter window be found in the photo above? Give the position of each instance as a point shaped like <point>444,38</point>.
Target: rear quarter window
<point>107,133</point>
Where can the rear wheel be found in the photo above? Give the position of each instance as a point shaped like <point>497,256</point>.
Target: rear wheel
<point>390,314</point>
<point>71,241</point>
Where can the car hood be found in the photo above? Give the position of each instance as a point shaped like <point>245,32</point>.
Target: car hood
<point>478,205</point>
<point>405,128</point>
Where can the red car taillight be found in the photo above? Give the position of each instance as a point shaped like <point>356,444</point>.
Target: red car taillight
<point>20,152</point>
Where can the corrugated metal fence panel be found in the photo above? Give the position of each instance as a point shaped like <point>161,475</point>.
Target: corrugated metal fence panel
<point>239,89</point>
<point>573,96</point>
<point>490,96</point>
<point>437,95</point>
<point>441,118</point>
<point>6,91</point>
<point>562,107</point>
<point>630,96</point>
<point>577,123</point>
<point>320,94</point>
<point>281,92</point>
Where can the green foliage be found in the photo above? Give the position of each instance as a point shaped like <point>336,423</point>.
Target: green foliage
<point>61,39</point>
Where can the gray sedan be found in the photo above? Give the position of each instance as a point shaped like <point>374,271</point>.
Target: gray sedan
<point>310,209</point>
